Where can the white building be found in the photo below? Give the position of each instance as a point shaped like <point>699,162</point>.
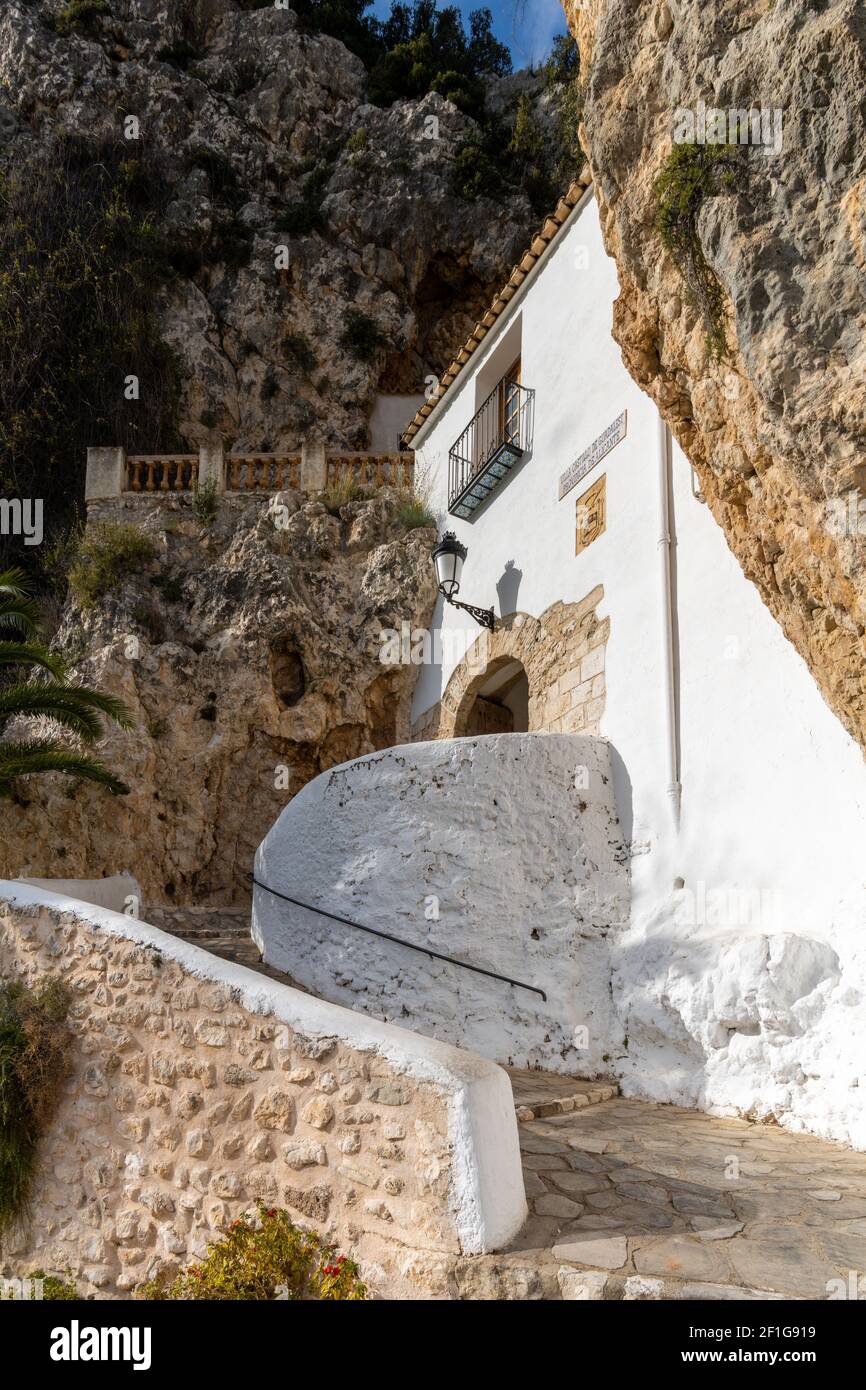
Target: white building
<point>730,971</point>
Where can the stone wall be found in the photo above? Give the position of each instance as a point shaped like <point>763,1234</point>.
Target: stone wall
<point>198,1086</point>
<point>562,653</point>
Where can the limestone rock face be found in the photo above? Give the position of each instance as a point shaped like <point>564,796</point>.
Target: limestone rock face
<point>775,430</point>
<point>263,139</point>
<point>248,654</point>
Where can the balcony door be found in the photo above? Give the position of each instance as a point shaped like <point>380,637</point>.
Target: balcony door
<point>509,405</point>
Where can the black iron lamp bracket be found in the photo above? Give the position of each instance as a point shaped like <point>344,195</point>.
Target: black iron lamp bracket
<point>484,616</point>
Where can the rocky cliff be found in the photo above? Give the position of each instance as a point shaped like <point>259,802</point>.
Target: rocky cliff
<point>287,204</point>
<point>248,654</point>
<point>776,427</point>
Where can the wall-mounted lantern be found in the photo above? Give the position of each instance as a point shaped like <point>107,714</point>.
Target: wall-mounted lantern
<point>448,557</point>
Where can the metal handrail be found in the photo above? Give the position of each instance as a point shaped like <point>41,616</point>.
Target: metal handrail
<point>386,936</point>
<point>489,427</point>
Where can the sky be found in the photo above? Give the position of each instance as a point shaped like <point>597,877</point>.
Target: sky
<point>529,39</point>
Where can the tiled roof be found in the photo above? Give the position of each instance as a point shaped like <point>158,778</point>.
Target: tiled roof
<point>540,243</point>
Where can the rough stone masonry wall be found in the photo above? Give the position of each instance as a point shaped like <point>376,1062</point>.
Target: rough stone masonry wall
<point>563,655</point>
<point>189,1098</point>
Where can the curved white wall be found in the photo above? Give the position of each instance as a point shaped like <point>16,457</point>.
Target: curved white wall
<point>502,851</point>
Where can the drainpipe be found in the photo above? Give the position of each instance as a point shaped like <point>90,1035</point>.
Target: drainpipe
<point>671,713</point>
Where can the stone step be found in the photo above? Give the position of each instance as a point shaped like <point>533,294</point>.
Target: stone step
<point>224,932</point>
<point>540,1094</point>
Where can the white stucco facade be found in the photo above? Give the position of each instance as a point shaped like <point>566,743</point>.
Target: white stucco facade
<point>740,974</point>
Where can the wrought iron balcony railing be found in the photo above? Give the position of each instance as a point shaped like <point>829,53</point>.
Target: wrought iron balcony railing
<point>496,439</point>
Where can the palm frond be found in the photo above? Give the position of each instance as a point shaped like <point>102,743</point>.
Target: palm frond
<point>18,760</point>
<point>74,706</point>
<point>32,654</point>
<point>18,610</point>
<point>30,698</point>
<point>109,705</point>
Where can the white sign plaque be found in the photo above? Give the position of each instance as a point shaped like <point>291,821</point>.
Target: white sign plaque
<point>597,450</point>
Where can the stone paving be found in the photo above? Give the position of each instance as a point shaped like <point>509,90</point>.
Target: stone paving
<point>633,1200</point>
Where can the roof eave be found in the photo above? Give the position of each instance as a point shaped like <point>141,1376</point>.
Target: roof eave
<point>538,250</point>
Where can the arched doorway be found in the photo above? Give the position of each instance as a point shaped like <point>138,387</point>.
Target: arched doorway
<point>501,701</point>
<point>529,675</point>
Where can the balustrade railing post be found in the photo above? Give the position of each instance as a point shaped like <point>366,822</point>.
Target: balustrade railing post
<point>106,474</point>
<point>314,467</point>
<point>211,465</point>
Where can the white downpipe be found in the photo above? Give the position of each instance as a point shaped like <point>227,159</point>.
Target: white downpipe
<point>674,787</point>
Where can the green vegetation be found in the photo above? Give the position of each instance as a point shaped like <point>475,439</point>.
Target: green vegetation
<point>54,1288</point>
<point>106,554</point>
<point>415,504</point>
<point>305,214</point>
<point>35,1046</point>
<point>357,141</point>
<point>79,261</point>
<point>415,512</point>
<point>340,494</point>
<point>297,346</point>
<point>691,174</point>
<point>475,173</point>
<point>170,586</point>
<point>78,15</point>
<point>422,47</point>
<point>50,694</point>
<point>362,336</point>
<point>263,1256</point>
<point>205,501</point>
<point>564,84</point>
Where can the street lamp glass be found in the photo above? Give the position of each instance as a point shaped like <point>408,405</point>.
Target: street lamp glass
<point>448,558</point>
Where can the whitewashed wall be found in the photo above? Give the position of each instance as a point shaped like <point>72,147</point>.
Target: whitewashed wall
<point>503,852</point>
<point>741,990</point>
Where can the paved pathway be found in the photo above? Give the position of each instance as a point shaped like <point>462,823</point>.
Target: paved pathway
<point>636,1200</point>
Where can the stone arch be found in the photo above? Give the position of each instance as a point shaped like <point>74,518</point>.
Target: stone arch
<point>479,703</point>
<point>562,653</point>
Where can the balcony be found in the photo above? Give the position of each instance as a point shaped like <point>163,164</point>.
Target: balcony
<point>495,440</point>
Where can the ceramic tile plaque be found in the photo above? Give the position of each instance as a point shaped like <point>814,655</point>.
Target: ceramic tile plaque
<point>590,515</point>
<point>597,450</point>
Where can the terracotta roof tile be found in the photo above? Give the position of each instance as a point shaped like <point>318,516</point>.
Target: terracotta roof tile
<point>539,245</point>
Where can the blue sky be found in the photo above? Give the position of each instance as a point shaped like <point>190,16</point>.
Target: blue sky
<point>529,40</point>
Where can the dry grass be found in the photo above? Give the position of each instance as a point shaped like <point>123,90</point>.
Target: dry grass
<point>35,1053</point>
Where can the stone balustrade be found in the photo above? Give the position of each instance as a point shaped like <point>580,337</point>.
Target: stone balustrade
<point>113,473</point>
<point>262,472</point>
<point>370,470</point>
<point>161,472</point>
